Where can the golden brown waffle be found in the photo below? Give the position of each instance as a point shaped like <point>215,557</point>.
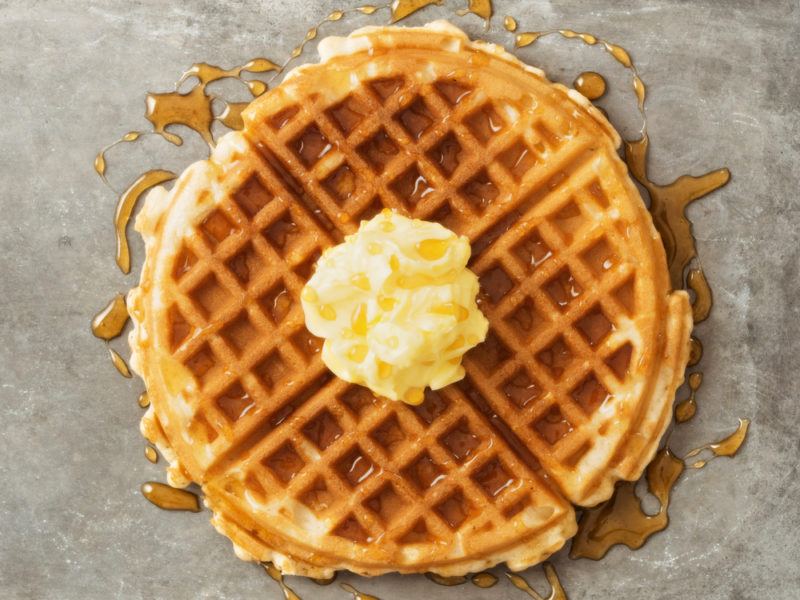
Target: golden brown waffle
<point>570,392</point>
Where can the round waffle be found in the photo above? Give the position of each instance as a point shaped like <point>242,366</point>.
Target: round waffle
<point>570,392</point>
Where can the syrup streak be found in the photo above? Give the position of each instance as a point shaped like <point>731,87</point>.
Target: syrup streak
<point>119,364</point>
<point>170,498</point>
<point>125,205</point>
<point>687,408</point>
<point>277,577</point>
<point>356,594</point>
<point>621,520</point>
<point>556,590</point>
<point>727,446</point>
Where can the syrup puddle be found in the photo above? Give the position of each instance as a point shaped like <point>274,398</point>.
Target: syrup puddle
<point>590,84</point>
<point>169,498</point>
<point>556,590</point>
<point>620,519</point>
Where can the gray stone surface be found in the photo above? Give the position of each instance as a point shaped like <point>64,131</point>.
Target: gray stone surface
<point>724,91</point>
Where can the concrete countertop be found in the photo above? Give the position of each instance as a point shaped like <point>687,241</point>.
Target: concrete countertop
<point>724,91</point>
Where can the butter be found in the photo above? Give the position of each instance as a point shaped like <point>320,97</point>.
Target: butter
<point>395,305</point>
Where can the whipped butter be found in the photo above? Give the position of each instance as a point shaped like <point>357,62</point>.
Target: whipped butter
<point>395,305</point>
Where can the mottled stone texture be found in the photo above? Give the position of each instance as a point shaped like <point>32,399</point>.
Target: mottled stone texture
<point>724,91</point>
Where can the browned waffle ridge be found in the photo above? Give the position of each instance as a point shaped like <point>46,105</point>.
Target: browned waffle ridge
<point>570,392</point>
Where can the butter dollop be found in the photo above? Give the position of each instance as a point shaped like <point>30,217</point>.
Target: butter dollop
<point>395,304</point>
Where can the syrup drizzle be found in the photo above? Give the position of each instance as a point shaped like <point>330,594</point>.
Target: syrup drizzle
<point>356,594</point>
<point>169,498</point>
<point>119,364</point>
<point>695,351</point>
<point>110,321</point>
<point>556,590</point>
<point>621,519</point>
<point>126,204</point>
<point>668,206</point>
<point>144,400</point>
<point>277,577</point>
<point>727,446</point>
<point>151,454</point>
<point>687,408</point>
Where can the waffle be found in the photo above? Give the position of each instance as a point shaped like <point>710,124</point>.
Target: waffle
<point>570,392</point>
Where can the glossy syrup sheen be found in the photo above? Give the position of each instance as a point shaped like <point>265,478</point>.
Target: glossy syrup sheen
<point>556,589</point>
<point>668,203</point>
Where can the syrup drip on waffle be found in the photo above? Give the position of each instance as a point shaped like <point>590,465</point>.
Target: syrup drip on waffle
<point>599,528</point>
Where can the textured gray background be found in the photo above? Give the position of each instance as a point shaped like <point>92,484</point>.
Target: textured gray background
<point>724,91</point>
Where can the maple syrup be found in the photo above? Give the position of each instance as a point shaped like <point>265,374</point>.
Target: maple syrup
<point>119,364</point>
<point>110,321</point>
<point>277,576</point>
<point>668,207</point>
<point>170,498</point>
<point>697,282</point>
<point>144,400</point>
<point>484,580</point>
<point>127,202</point>
<point>695,351</point>
<point>151,454</point>
<point>590,84</point>
<point>556,589</point>
<point>621,519</point>
<point>727,446</point>
<point>446,580</point>
<point>687,408</point>
<point>356,594</point>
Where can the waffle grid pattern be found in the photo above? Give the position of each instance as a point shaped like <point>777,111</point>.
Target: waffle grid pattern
<point>522,183</point>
